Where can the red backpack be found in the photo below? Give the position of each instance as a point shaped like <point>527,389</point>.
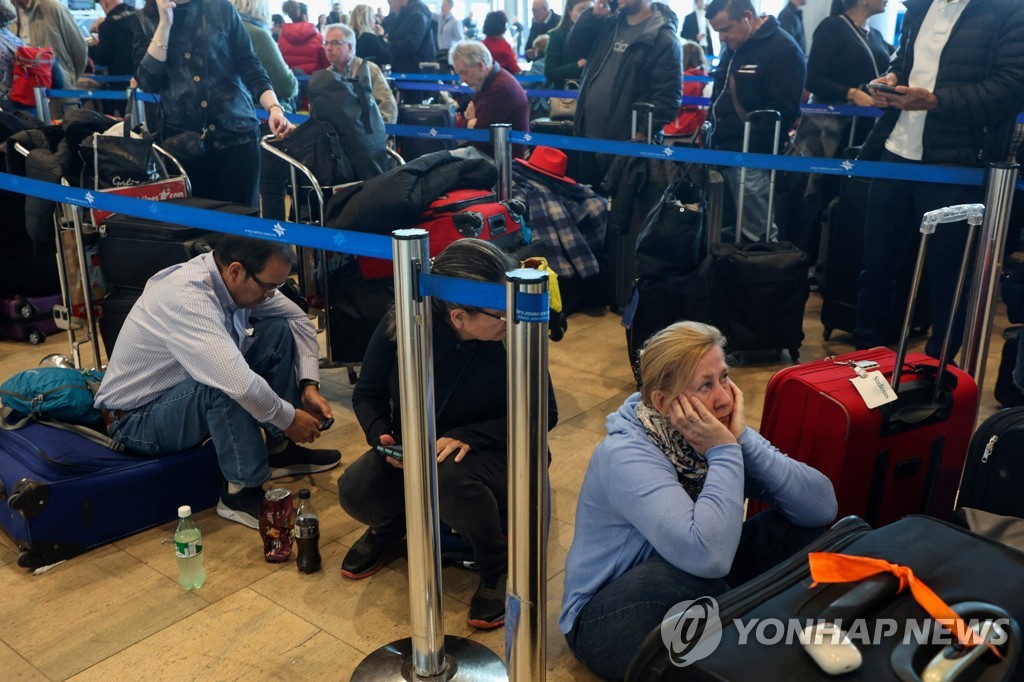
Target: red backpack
<point>33,68</point>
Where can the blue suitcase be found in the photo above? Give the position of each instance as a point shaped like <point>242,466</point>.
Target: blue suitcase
<point>64,494</point>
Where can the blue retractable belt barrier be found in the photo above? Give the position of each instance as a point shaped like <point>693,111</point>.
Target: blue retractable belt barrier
<point>529,307</point>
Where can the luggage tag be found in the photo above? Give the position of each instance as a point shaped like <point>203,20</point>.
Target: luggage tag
<point>872,386</point>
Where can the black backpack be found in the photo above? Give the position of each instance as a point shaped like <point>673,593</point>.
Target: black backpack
<point>317,146</point>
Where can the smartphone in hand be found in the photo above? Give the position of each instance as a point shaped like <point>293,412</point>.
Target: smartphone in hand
<point>882,87</point>
<point>391,451</point>
<point>326,423</point>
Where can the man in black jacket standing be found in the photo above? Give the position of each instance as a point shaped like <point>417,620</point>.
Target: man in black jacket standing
<point>411,38</point>
<point>633,55</point>
<point>959,85</point>
<point>544,20</point>
<point>761,68</point>
<point>791,19</point>
<point>114,39</point>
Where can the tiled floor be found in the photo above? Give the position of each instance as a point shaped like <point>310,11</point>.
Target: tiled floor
<point>117,613</point>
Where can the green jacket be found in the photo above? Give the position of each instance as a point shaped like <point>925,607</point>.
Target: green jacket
<point>281,77</point>
<point>559,67</point>
<point>51,25</point>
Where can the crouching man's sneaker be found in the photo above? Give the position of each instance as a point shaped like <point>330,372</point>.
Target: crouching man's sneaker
<point>296,460</point>
<point>487,608</point>
<point>242,507</point>
<point>367,555</point>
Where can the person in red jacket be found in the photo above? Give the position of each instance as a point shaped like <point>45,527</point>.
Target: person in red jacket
<point>301,44</point>
<point>690,116</point>
<point>495,25</point>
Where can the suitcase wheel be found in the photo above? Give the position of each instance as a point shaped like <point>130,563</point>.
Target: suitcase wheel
<point>827,335</point>
<point>36,337</point>
<point>29,497</point>
<point>26,310</point>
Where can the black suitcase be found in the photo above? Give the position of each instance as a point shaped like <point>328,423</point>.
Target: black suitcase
<point>356,307</point>
<point>839,274</point>
<point>429,116</point>
<point>758,291</point>
<point>65,494</point>
<point>994,470</point>
<point>114,311</point>
<point>564,127</point>
<point>959,566</point>
<point>133,249</point>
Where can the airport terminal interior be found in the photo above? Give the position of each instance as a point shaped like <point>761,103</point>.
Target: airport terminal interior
<point>118,613</point>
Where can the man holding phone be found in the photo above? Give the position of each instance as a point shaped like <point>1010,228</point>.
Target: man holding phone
<point>951,97</point>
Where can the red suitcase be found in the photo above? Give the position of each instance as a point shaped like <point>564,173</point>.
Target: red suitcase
<point>905,457</point>
<point>458,214</point>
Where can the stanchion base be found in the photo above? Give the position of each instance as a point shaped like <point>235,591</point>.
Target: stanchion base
<point>467,661</point>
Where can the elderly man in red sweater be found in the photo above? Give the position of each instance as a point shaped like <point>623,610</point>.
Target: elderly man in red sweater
<point>498,96</point>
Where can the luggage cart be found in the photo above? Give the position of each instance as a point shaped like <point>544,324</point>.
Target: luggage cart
<point>76,229</point>
<point>308,199</point>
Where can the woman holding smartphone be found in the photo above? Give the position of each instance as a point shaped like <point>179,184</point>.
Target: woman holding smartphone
<point>470,402</point>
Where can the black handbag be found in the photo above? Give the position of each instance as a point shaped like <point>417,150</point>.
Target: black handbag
<point>317,146</point>
<point>672,240</point>
<point>187,147</point>
<point>119,160</point>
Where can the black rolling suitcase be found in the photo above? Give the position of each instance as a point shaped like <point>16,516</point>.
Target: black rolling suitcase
<point>356,307</point>
<point>64,493</point>
<point>114,311</point>
<point>133,249</point>
<point>978,578</point>
<point>839,274</point>
<point>429,116</point>
<point>994,470</point>
<point>758,291</point>
<point>564,127</point>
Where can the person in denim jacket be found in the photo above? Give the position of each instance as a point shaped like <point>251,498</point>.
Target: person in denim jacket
<point>198,57</point>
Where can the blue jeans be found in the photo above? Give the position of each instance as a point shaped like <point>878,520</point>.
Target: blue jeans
<point>755,203</point>
<point>610,628</point>
<point>894,212</point>
<point>184,416</point>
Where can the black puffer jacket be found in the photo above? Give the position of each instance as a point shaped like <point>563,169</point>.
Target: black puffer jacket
<point>650,71</point>
<point>411,39</point>
<point>980,85</point>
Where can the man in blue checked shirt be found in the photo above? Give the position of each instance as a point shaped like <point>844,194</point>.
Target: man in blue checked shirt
<point>210,350</point>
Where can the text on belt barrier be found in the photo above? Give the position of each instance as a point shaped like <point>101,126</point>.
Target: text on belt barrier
<point>529,307</point>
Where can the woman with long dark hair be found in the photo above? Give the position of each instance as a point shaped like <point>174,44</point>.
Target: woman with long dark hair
<point>198,57</point>
<point>559,67</point>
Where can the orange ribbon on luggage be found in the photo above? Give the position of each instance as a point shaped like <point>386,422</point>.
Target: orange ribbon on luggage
<point>828,567</point>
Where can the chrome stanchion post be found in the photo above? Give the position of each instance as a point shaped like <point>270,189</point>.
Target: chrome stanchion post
<point>988,266</point>
<point>42,104</point>
<point>428,654</point>
<point>501,141</point>
<point>528,474</point>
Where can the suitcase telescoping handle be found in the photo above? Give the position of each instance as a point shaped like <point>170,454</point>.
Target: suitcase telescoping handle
<point>973,214</point>
<point>771,113</point>
<point>643,111</point>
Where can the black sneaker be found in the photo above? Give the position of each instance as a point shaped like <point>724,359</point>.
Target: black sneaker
<point>487,608</point>
<point>367,554</point>
<point>242,507</point>
<point>296,460</point>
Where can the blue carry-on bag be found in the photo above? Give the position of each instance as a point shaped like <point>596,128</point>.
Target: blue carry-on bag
<point>62,492</point>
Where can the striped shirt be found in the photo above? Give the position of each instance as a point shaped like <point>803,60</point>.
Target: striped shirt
<point>187,325</point>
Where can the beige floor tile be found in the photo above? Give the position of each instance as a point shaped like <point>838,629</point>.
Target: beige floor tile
<point>571,448</point>
<point>232,553</point>
<point>244,636</point>
<point>16,668</point>
<point>593,419</point>
<point>87,609</point>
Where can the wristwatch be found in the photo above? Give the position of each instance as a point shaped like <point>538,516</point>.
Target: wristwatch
<point>308,382</point>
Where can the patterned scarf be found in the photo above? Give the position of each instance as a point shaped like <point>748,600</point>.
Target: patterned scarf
<point>692,467</point>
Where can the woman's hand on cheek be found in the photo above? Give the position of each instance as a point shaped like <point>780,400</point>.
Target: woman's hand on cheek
<point>738,419</point>
<point>698,426</point>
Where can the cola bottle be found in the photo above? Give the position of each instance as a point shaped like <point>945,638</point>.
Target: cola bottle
<point>307,534</point>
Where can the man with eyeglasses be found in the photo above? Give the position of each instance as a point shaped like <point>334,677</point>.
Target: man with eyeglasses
<point>341,53</point>
<point>211,350</point>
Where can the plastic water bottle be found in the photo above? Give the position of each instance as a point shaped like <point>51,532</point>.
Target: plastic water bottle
<point>188,547</point>
<point>307,534</point>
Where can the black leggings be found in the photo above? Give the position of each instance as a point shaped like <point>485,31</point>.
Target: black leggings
<point>472,496</point>
<point>228,174</point>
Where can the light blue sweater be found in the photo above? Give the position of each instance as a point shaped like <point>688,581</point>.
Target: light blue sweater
<point>631,506</point>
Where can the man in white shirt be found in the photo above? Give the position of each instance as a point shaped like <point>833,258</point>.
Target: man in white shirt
<point>958,81</point>
<point>212,350</point>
